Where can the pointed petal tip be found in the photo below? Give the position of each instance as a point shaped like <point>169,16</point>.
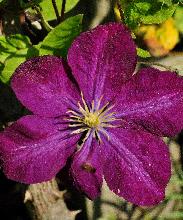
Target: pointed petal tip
<point>138,167</point>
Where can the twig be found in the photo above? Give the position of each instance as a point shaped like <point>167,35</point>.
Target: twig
<point>63,10</point>
<point>120,10</point>
<point>169,68</point>
<point>56,10</point>
<point>44,22</point>
<point>1,25</point>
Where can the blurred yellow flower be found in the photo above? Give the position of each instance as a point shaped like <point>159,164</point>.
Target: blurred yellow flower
<point>160,39</point>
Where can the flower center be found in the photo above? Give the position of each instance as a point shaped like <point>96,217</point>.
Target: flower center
<point>95,118</point>
<point>92,120</point>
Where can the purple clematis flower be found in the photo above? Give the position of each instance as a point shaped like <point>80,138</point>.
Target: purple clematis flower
<point>107,119</point>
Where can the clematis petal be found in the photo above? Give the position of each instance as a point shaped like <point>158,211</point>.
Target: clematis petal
<point>43,86</point>
<point>102,60</point>
<point>154,100</point>
<point>137,166</point>
<point>86,168</point>
<point>33,149</point>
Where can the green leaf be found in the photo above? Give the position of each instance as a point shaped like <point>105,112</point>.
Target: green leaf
<point>33,51</point>
<point>143,53</point>
<point>177,181</point>
<point>178,16</point>
<point>5,49</point>
<point>1,66</point>
<point>2,2</point>
<point>48,10</point>
<point>167,2</point>
<point>148,12</point>
<point>9,45</point>
<point>173,215</point>
<point>175,196</point>
<point>11,63</point>
<point>18,41</point>
<point>58,41</point>
<point>13,51</point>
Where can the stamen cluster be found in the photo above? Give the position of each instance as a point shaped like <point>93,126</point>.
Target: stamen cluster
<point>92,119</point>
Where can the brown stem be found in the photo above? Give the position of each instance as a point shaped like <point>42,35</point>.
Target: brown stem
<point>56,10</point>
<point>1,23</point>
<point>63,10</point>
<point>44,22</point>
<point>1,27</point>
<point>45,201</point>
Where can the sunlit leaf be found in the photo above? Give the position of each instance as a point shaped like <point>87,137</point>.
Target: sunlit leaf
<point>5,49</point>
<point>48,10</point>
<point>18,41</point>
<point>179,18</point>
<point>60,38</point>
<point>148,12</point>
<point>9,45</point>
<point>11,63</point>
<point>143,53</point>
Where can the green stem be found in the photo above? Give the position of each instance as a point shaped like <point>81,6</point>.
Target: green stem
<point>56,10</point>
<point>44,22</point>
<point>169,68</point>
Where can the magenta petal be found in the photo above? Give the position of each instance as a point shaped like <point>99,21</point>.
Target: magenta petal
<point>86,168</point>
<point>154,100</point>
<point>102,60</point>
<point>43,86</point>
<point>33,150</point>
<point>137,166</point>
